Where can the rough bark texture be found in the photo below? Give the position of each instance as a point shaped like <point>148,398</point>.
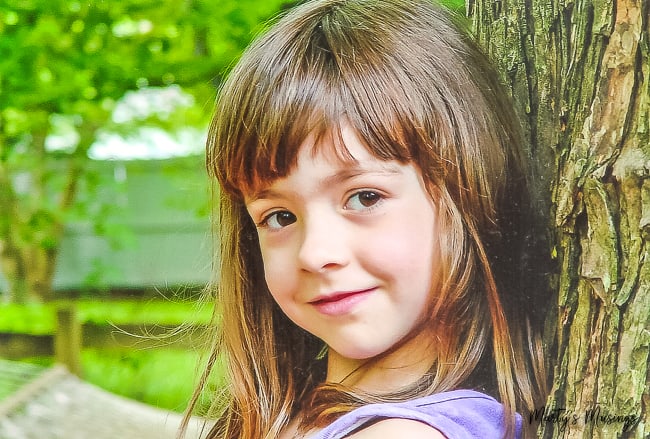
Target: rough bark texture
<point>579,73</point>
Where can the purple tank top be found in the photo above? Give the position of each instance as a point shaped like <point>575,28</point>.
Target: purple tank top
<point>458,414</point>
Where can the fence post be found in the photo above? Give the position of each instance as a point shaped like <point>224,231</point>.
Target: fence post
<point>67,339</point>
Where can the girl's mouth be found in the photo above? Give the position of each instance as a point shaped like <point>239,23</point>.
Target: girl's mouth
<point>340,303</point>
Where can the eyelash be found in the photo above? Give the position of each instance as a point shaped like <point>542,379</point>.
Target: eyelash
<point>264,223</point>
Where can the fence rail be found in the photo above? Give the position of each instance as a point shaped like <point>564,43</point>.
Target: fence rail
<point>71,337</point>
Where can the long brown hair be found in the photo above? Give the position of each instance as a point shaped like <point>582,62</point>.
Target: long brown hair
<point>417,90</point>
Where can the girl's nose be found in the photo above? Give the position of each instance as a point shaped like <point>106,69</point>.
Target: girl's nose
<point>323,245</point>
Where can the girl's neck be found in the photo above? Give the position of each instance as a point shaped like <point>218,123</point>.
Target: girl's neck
<point>392,372</point>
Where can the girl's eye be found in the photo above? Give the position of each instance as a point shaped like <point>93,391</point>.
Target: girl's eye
<point>363,200</point>
<point>278,220</point>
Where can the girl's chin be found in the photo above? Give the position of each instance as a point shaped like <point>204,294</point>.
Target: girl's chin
<point>350,355</point>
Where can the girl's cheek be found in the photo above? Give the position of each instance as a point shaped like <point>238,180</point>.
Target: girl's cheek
<point>278,269</point>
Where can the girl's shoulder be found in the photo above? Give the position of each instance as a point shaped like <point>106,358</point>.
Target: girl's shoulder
<point>398,427</point>
<point>454,414</point>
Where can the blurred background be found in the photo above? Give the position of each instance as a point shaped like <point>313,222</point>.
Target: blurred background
<point>105,234</point>
<point>104,224</point>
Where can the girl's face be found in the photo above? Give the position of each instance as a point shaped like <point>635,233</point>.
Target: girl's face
<point>349,249</point>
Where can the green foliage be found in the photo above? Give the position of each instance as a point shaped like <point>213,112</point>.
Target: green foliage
<point>28,318</point>
<point>39,318</point>
<point>78,58</point>
<point>158,311</point>
<point>164,377</point>
<point>64,66</point>
<point>454,5</point>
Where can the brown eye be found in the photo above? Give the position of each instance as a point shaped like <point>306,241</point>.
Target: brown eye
<point>280,219</point>
<point>363,200</point>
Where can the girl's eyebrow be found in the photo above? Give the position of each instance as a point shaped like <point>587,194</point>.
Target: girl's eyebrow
<point>340,176</point>
<point>355,171</point>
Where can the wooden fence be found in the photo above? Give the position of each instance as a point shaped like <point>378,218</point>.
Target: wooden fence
<point>71,336</point>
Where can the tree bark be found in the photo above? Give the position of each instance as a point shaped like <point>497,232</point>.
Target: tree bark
<point>579,76</point>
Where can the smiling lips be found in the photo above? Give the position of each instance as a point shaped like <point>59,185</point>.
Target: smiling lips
<point>340,303</point>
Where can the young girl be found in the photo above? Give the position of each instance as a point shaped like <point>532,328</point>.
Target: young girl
<point>375,236</point>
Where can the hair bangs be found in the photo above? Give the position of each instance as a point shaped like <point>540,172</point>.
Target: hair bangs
<point>257,141</point>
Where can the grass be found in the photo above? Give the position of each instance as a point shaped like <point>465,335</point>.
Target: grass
<point>163,377</point>
<point>455,5</point>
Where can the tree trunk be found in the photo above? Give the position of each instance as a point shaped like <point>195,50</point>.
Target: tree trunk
<point>579,75</point>
<point>32,223</point>
<point>21,255</point>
